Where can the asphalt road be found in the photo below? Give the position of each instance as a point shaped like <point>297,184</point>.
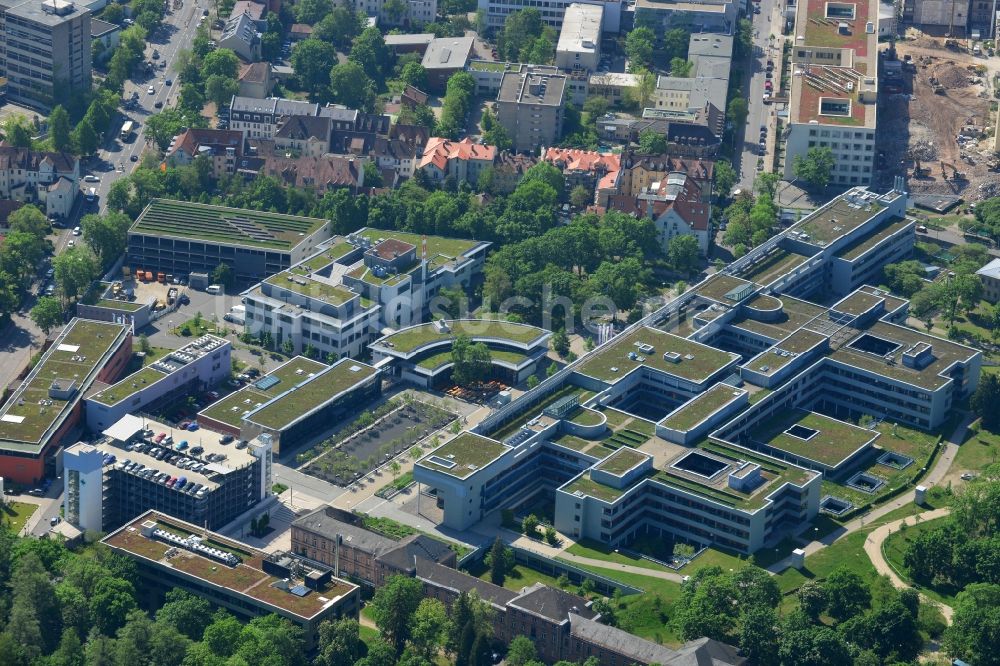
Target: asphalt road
<point>753,84</point>
<point>114,159</point>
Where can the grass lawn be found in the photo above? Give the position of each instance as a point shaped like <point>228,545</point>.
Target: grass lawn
<point>521,576</point>
<point>978,451</point>
<point>16,514</point>
<point>848,552</point>
<point>895,547</point>
<point>599,551</point>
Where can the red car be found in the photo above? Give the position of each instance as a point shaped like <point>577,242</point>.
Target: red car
<point>768,85</point>
<point>159,438</point>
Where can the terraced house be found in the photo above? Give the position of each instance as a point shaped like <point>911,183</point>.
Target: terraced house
<point>181,237</point>
<point>778,388</point>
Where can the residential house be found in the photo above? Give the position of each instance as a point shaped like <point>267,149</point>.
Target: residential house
<point>300,31</point>
<point>306,136</point>
<point>242,36</point>
<point>255,11</point>
<point>641,171</point>
<point>223,148</point>
<point>445,56</point>
<point>32,176</point>
<point>508,170</point>
<point>416,12</point>
<point>259,117</point>
<point>418,43</point>
<point>461,160</point>
<point>327,172</point>
<point>104,39</point>
<point>676,206</point>
<point>598,173</point>
<point>255,80</point>
<point>990,277</point>
<point>358,137</point>
<point>413,97</point>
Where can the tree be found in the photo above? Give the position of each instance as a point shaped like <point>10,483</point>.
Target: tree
<point>725,178</point>
<point>521,28</point>
<point>905,278</point>
<point>680,67</point>
<point>846,594</point>
<point>471,361</point>
<point>17,131</point>
<point>500,560</point>
<point>494,133</point>
<point>812,599</point>
<point>645,85</point>
<point>580,197</point>
<point>59,129</point>
<point>530,525</point>
<point>737,110</point>
<point>767,184</point>
<point>429,628</point>
<point>74,269</point>
<point>311,12</point>
<point>220,62</point>
<point>113,599</point>
<point>350,86</point>
<point>414,74</point>
<point>675,43</point>
<point>815,166</point>
<point>639,47</point>
<point>683,253</point>
<point>339,27</point>
<point>393,606</point>
<point>339,643</point>
<point>105,235</point>
<point>29,220</point>
<point>187,613</point>
<point>813,646</point>
<point>974,634</point>
<point>890,630</point>
<point>223,274</point>
<point>221,90</point>
<point>759,635</point>
<point>560,342</point>
<point>521,651</point>
<point>85,139</point>
<point>548,174</point>
<point>369,51</point>
<point>47,313</point>
<point>313,61</point>
<point>652,142</point>
<point>985,401</point>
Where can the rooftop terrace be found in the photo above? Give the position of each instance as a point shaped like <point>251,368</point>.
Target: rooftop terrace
<point>462,456</point>
<point>246,579</point>
<point>814,436</point>
<point>76,357</point>
<point>226,226</point>
<point>647,347</point>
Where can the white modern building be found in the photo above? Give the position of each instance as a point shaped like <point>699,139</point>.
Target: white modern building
<point>83,487</point>
<point>552,13</point>
<point>579,44</point>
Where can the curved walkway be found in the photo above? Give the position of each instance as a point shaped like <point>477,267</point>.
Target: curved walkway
<point>873,548</point>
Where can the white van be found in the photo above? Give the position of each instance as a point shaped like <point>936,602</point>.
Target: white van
<point>214,289</point>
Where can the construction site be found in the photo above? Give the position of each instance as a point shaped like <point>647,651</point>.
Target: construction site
<point>937,118</point>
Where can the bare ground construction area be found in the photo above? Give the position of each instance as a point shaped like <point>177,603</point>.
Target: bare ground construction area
<point>939,129</point>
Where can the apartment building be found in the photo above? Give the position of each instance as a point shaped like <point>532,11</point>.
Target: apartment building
<point>175,554</point>
<point>416,12</point>
<point>46,51</point>
<point>707,86</point>
<point>223,148</point>
<point>241,35</point>
<point>639,172</point>
<point>194,368</point>
<point>700,16</point>
<point>192,476</point>
<point>553,14</point>
<point>48,405</point>
<point>599,173</point>
<point>677,206</point>
<point>833,103</point>
<point>259,118</point>
<point>579,44</point>
<point>990,277</point>
<point>30,176</point>
<point>530,108</point>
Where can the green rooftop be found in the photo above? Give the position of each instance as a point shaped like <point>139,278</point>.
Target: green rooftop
<point>128,387</point>
<point>775,265</point>
<point>718,286</point>
<point>75,356</point>
<point>857,303</point>
<point>230,410</point>
<point>315,289</point>
<point>621,461</point>
<point>124,306</point>
<point>325,258</point>
<point>366,274</point>
<point>794,314</point>
<point>701,407</point>
<point>410,339</point>
<point>440,250</point>
<point>834,220</point>
<point>462,456</point>
<point>692,361</point>
<point>857,248</point>
<point>584,485</point>
<point>225,226</point>
<point>435,361</point>
<point>813,436</point>
<point>314,393</point>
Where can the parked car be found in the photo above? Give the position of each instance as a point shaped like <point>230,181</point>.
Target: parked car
<point>91,178</point>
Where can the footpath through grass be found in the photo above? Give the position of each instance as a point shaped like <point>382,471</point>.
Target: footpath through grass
<point>894,549</point>
<point>16,514</point>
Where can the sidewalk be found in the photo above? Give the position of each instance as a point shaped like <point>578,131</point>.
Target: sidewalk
<point>873,548</point>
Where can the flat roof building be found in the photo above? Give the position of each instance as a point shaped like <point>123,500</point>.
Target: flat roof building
<point>189,474</point>
<point>46,46</point>
<point>445,56</point>
<point>174,554</point>
<point>579,44</point>
<point>294,402</point>
<point>834,87</point>
<point>181,237</point>
<point>48,404</point>
<point>530,108</point>
<point>552,14</point>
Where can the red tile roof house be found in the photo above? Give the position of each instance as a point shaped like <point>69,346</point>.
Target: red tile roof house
<point>462,160</point>
<point>676,207</point>
<point>222,147</point>
<point>599,173</point>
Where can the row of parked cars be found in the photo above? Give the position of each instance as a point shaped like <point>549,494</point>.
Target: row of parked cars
<point>179,483</point>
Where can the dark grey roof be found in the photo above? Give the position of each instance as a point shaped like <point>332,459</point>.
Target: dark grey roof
<point>702,652</point>
<point>452,579</point>
<point>418,545</point>
<point>552,603</point>
<point>326,521</point>
<point>301,128</point>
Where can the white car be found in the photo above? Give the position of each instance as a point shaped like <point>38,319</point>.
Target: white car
<point>76,231</point>
<point>91,178</point>
<point>150,91</point>
<point>71,243</point>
